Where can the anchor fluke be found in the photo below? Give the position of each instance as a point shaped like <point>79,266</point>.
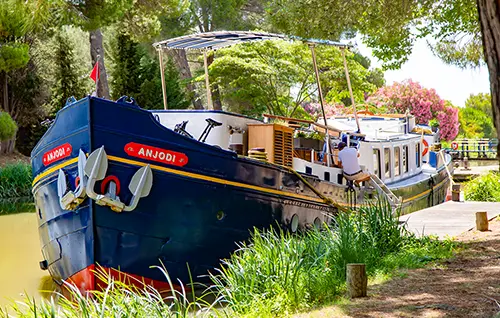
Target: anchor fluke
<point>140,186</point>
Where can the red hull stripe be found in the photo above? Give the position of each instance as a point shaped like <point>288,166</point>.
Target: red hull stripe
<point>86,280</point>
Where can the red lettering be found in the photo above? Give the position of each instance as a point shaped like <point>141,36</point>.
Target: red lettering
<point>57,154</point>
<point>156,154</point>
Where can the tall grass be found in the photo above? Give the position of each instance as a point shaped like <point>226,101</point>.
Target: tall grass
<point>275,274</point>
<point>283,273</point>
<point>15,188</point>
<point>117,300</point>
<point>483,188</point>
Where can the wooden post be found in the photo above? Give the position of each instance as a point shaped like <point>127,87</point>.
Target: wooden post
<point>455,192</point>
<point>482,221</point>
<point>356,280</point>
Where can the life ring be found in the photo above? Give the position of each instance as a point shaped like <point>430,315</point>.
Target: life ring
<point>107,180</point>
<point>426,148</point>
<point>454,145</point>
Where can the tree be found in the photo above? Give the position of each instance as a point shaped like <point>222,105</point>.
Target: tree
<point>278,77</point>
<point>425,104</point>
<point>480,102</point>
<point>91,16</point>
<point>209,16</point>
<point>137,74</point>
<point>475,123</point>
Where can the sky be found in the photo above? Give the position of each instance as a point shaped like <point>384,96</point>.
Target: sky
<point>450,82</point>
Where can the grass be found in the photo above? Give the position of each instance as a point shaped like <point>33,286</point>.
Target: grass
<point>483,188</point>
<point>275,274</point>
<point>15,188</point>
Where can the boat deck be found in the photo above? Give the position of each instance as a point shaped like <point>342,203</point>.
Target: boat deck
<point>448,219</point>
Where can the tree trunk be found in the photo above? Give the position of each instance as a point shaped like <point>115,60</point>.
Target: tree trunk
<point>97,49</point>
<point>214,87</point>
<point>489,18</point>
<point>180,59</point>
<point>5,103</point>
<point>356,280</point>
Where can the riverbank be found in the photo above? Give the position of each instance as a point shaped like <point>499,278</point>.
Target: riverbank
<point>463,286</point>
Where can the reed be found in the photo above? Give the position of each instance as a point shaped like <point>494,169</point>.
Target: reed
<point>282,273</point>
<point>117,300</point>
<point>483,188</point>
<point>15,188</point>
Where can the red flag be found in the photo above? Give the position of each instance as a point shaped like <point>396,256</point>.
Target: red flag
<point>94,75</point>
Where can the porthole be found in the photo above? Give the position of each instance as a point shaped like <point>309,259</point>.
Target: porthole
<point>294,223</point>
<point>220,215</point>
<point>317,223</point>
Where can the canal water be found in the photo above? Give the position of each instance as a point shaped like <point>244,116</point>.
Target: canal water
<point>20,254</point>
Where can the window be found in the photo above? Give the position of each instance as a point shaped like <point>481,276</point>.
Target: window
<point>376,162</point>
<point>405,159</point>
<point>387,162</point>
<point>417,154</point>
<point>397,155</point>
<point>327,176</point>
<point>309,170</point>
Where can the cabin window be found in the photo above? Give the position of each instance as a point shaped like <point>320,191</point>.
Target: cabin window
<point>397,155</point>
<point>309,170</point>
<point>327,176</point>
<point>417,153</point>
<point>405,159</point>
<point>376,162</point>
<point>387,162</point>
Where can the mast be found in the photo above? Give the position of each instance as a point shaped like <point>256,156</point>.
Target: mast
<point>350,88</point>
<point>322,103</point>
<point>162,72</point>
<point>207,81</point>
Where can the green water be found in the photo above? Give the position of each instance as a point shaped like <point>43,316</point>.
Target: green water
<point>20,254</point>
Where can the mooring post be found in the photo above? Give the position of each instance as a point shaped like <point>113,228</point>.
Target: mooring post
<point>356,280</point>
<point>482,221</point>
<point>455,192</point>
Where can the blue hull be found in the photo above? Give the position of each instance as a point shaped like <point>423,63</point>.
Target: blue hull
<point>193,216</point>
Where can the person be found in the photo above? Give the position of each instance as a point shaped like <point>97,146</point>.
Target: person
<point>348,161</point>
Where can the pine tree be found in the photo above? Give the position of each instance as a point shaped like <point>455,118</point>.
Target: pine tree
<point>67,82</point>
<point>137,74</point>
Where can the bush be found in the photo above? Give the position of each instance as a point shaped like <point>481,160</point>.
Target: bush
<point>483,188</point>
<point>8,126</point>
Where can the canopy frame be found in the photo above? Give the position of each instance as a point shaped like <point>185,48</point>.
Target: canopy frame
<point>215,40</point>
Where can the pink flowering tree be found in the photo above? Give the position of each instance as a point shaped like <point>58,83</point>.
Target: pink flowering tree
<point>314,110</point>
<point>425,104</point>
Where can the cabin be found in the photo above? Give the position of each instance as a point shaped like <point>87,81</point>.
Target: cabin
<point>391,147</point>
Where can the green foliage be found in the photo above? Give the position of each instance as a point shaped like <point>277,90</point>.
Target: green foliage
<point>8,127</point>
<point>482,102</point>
<point>284,273</point>
<point>136,73</point>
<point>67,81</point>
<point>15,181</point>
<point>474,123</point>
<point>483,188</point>
<point>13,56</point>
<point>117,300</point>
<point>277,77</point>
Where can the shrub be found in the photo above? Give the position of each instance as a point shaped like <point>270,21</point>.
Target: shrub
<point>483,188</point>
<point>8,127</point>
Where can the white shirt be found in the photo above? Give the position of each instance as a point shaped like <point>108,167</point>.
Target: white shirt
<point>349,159</point>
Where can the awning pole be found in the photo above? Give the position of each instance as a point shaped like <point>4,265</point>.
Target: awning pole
<point>350,89</point>
<point>207,82</point>
<point>162,72</point>
<point>322,102</point>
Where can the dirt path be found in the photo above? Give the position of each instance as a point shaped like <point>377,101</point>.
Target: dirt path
<point>12,158</point>
<point>465,286</point>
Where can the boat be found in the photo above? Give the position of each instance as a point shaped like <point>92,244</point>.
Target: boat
<point>126,189</point>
